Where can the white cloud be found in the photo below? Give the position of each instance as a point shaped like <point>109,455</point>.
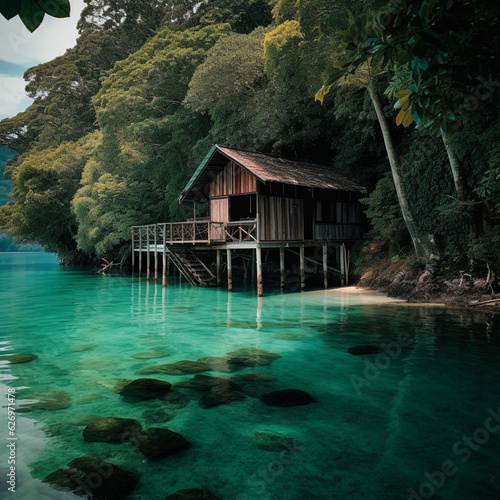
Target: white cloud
<point>12,96</point>
<point>50,40</point>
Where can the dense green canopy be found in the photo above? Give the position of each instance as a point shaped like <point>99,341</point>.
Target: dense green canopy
<point>120,121</point>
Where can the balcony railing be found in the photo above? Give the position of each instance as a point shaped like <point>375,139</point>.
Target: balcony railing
<point>194,232</point>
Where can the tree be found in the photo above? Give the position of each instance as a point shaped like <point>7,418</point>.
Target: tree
<point>145,155</point>
<point>44,184</point>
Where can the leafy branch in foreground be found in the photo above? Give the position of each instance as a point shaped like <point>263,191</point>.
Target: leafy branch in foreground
<point>449,47</point>
<point>32,12</point>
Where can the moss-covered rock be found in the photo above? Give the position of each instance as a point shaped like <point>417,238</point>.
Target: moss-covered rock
<point>152,354</point>
<point>286,397</point>
<point>48,400</point>
<point>114,384</point>
<point>252,384</point>
<point>184,367</point>
<point>83,347</point>
<point>156,443</point>
<point>90,477</point>
<point>251,356</point>
<point>219,395</point>
<point>156,416</point>
<point>204,383</point>
<point>16,359</point>
<point>271,441</point>
<point>111,430</point>
<point>145,388</point>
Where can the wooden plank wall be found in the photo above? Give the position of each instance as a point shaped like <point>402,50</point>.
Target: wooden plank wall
<point>233,180</point>
<point>219,210</point>
<point>281,219</point>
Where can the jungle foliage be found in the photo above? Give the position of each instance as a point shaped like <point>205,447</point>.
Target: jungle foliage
<point>120,121</point>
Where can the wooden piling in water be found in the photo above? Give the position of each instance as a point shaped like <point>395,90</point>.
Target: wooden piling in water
<point>140,251</point>
<point>282,267</point>
<point>156,256</point>
<point>148,256</point>
<point>258,258</point>
<point>219,276</point>
<point>164,260</point>
<point>302,269</point>
<point>342,264</point>
<point>325,265</point>
<point>133,253</point>
<point>229,271</point>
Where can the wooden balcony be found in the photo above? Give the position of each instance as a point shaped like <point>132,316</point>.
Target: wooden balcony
<point>200,231</point>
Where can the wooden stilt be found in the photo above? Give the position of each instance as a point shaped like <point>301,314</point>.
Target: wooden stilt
<point>140,251</point>
<point>347,263</point>
<point>282,267</point>
<point>302,269</point>
<point>168,265</point>
<point>148,256</point>
<point>219,260</point>
<point>156,255</point>
<point>229,271</point>
<point>325,265</point>
<point>253,271</point>
<point>258,258</point>
<point>342,264</point>
<point>133,253</point>
<point>164,260</point>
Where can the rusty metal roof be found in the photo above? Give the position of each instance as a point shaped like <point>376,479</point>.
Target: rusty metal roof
<point>267,168</point>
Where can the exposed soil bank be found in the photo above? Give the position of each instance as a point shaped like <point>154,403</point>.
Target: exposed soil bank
<point>401,281</point>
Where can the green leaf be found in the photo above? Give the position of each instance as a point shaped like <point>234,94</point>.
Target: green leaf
<point>55,8</point>
<point>10,8</point>
<point>31,14</point>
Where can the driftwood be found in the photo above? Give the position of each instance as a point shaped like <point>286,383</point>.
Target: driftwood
<point>491,301</point>
<point>107,266</point>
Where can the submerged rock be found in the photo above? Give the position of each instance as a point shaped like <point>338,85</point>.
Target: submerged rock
<point>156,443</point>
<point>219,395</point>
<point>92,478</point>
<point>271,441</point>
<point>156,416</point>
<point>204,383</point>
<point>96,364</point>
<point>220,364</point>
<point>83,347</point>
<point>152,354</point>
<point>145,388</point>
<point>85,399</point>
<point>49,401</point>
<point>192,494</point>
<point>175,399</point>
<point>288,336</point>
<point>114,384</point>
<point>360,350</point>
<point>251,356</point>
<point>286,397</point>
<point>20,358</point>
<point>111,430</point>
<point>251,384</point>
<point>178,368</point>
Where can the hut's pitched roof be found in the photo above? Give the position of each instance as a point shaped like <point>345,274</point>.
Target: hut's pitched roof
<point>267,168</point>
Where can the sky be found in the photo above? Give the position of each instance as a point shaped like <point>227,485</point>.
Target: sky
<point>20,50</point>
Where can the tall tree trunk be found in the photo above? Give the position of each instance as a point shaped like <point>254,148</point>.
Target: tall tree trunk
<point>454,165</point>
<point>424,249</point>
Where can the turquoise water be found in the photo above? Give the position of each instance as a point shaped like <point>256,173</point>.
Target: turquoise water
<point>380,428</point>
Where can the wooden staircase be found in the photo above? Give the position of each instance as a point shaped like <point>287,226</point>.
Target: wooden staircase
<point>191,267</point>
